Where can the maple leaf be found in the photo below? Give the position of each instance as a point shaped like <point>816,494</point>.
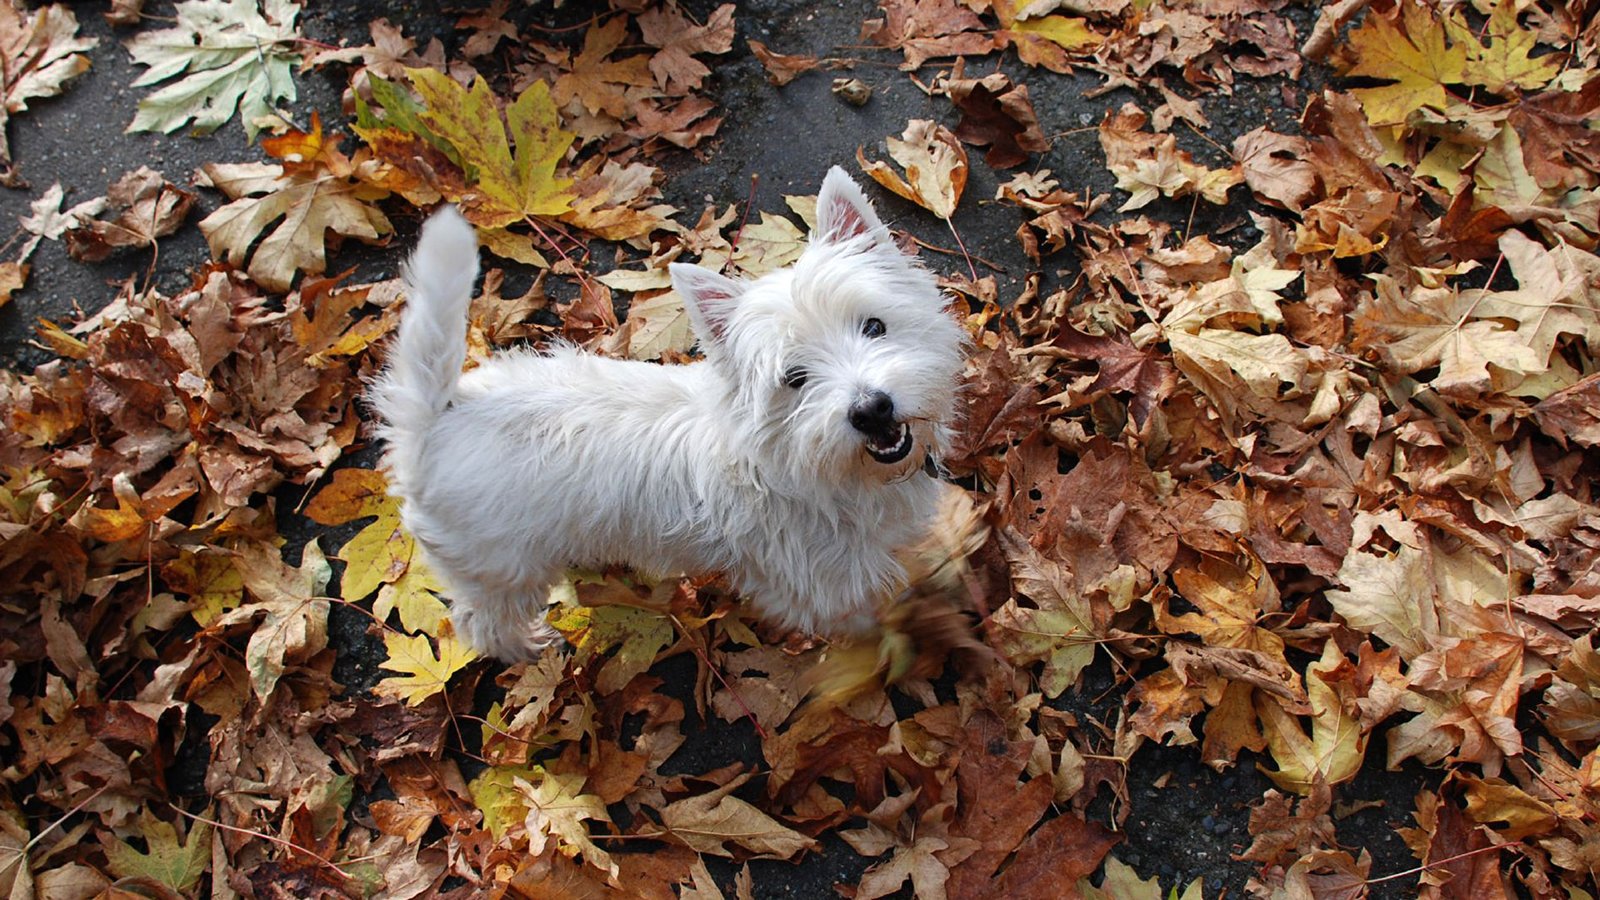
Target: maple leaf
<point>918,862</point>
<point>637,633</point>
<point>237,56</point>
<point>414,595</point>
<point>505,186</point>
<point>1043,40</point>
<point>147,206</point>
<point>489,28</point>
<point>1506,62</point>
<point>557,808</point>
<point>1389,596</point>
<point>209,579</point>
<point>313,193</point>
<point>679,39</point>
<point>168,859</point>
<point>41,52</point>
<point>601,84</point>
<point>1333,752</point>
<point>1412,50</point>
<point>1437,327</point>
<point>709,822</point>
<point>1151,165</point>
<point>935,167</point>
<point>380,552</point>
<point>423,670</point>
<point>295,617</point>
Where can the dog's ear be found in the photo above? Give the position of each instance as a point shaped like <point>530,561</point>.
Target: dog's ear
<point>843,212</point>
<point>710,299</point>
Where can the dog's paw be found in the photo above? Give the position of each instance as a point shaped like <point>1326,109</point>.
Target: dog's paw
<point>508,642</point>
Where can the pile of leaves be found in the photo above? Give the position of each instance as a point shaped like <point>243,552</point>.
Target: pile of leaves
<point>1323,498</point>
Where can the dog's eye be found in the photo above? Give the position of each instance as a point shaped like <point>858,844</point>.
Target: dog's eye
<point>795,378</point>
<point>874,328</point>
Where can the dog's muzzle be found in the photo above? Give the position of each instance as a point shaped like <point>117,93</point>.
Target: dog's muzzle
<point>888,440</point>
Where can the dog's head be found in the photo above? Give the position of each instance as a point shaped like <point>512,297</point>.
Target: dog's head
<point>844,365</point>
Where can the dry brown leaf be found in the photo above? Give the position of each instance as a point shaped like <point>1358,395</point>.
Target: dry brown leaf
<point>935,167</point>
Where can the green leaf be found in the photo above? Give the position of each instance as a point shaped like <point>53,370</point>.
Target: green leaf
<point>640,633</point>
<point>510,185</point>
<point>237,58</point>
<point>176,864</point>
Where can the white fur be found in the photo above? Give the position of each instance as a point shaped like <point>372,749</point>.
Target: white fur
<point>534,462</point>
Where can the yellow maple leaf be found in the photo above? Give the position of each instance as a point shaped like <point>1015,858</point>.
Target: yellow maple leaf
<point>505,185</point>
<point>1506,62</point>
<point>209,579</point>
<point>413,595</point>
<point>1414,53</point>
<point>380,552</point>
<point>423,671</point>
<point>1332,753</point>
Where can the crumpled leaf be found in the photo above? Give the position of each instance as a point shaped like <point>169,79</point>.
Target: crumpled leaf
<point>997,114</point>
<point>148,207</point>
<point>1333,752</point>
<point>935,166</point>
<point>237,56</point>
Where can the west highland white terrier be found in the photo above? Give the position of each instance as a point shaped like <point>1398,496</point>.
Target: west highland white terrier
<point>791,457</point>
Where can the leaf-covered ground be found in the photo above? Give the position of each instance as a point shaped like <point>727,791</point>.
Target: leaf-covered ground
<point>1276,476</point>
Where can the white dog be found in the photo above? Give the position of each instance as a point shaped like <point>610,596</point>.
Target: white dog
<point>791,458</point>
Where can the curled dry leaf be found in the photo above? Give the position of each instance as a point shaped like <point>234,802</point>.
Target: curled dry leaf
<point>935,167</point>
<point>147,206</point>
<point>997,114</point>
<point>782,68</point>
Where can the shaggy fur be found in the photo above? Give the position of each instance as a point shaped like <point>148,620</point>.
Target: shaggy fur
<point>791,457</point>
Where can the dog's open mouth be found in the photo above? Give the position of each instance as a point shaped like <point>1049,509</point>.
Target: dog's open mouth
<point>892,445</point>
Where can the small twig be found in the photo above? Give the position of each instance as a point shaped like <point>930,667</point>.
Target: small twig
<point>1441,862</point>
<point>266,837</point>
<point>948,252</point>
<point>25,849</point>
<point>718,674</point>
<point>749,203</point>
<point>971,269</point>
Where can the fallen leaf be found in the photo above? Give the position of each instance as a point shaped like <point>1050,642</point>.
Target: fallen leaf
<point>709,822</point>
<point>935,167</point>
<point>506,185</point>
<point>237,57</point>
<point>42,52</point>
<point>313,193</point>
<point>147,206</point>
<point>424,670</point>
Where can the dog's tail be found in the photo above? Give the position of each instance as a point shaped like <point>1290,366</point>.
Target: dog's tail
<point>432,344</point>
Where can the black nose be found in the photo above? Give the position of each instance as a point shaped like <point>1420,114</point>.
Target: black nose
<point>873,413</point>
